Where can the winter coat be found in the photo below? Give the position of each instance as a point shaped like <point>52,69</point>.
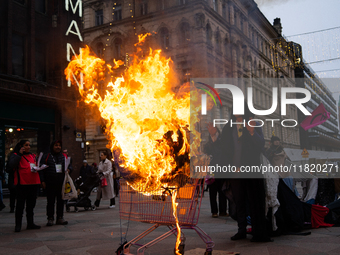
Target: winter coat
<point>86,171</point>
<point>21,164</point>
<point>108,191</point>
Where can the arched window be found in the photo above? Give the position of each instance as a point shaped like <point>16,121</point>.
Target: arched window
<point>226,48</point>
<point>99,49</point>
<point>184,33</point>
<point>117,50</point>
<point>209,34</point>
<point>260,71</point>
<point>164,38</point>
<point>218,41</point>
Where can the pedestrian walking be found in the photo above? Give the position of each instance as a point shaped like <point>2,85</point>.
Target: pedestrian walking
<point>52,179</point>
<point>107,192</point>
<point>27,182</point>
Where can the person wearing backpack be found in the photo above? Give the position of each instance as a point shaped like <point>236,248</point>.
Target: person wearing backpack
<point>27,181</point>
<point>52,179</point>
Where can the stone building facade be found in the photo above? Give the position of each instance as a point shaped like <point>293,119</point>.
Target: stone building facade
<point>35,101</point>
<point>204,38</point>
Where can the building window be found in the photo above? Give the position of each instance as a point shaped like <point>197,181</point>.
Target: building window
<point>163,4</point>
<point>40,6</point>
<point>209,34</point>
<point>226,48</point>
<point>224,11</point>
<point>99,17</point>
<point>164,38</point>
<point>18,52</point>
<point>215,4</point>
<point>117,12</point>
<point>2,51</point>
<point>144,7</point>
<point>180,2</point>
<point>100,49</point>
<point>40,61</point>
<point>184,33</point>
<point>117,51</point>
<point>218,41</point>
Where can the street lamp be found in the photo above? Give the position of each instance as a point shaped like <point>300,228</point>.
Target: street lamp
<point>88,148</point>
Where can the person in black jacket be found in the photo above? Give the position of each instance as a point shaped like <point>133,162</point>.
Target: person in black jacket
<point>241,146</point>
<point>86,170</point>
<point>52,179</point>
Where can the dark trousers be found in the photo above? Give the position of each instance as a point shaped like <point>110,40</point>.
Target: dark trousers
<point>116,186</point>
<point>12,196</point>
<point>53,194</point>
<point>214,188</point>
<point>26,194</point>
<point>250,192</point>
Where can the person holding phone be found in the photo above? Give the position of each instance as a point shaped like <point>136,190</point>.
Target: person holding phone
<point>27,182</point>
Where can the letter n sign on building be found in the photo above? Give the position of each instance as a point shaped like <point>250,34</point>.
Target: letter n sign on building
<point>74,6</point>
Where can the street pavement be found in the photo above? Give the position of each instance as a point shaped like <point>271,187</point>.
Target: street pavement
<point>99,232</point>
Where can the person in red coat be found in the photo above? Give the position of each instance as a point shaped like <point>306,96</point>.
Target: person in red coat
<point>27,181</point>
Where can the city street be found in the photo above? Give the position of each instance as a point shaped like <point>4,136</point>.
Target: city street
<point>98,232</point>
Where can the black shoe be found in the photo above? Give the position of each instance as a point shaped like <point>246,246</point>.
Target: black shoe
<point>12,210</point>
<point>18,223</point>
<point>49,222</point>
<point>238,236</point>
<point>33,226</point>
<point>2,207</point>
<point>214,215</point>
<point>261,239</point>
<point>61,221</point>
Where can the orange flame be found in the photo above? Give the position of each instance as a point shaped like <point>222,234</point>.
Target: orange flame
<point>146,115</point>
<point>174,209</point>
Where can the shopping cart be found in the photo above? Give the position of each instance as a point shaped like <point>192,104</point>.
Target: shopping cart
<point>156,208</point>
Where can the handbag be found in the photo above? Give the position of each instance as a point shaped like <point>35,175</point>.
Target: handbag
<point>68,190</point>
<point>104,183</point>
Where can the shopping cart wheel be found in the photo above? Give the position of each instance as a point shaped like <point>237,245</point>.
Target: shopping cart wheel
<point>76,209</point>
<point>67,209</point>
<point>208,253</point>
<point>93,207</point>
<point>86,208</point>
<point>180,248</point>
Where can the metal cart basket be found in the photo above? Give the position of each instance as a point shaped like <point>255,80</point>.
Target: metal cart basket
<point>157,208</point>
